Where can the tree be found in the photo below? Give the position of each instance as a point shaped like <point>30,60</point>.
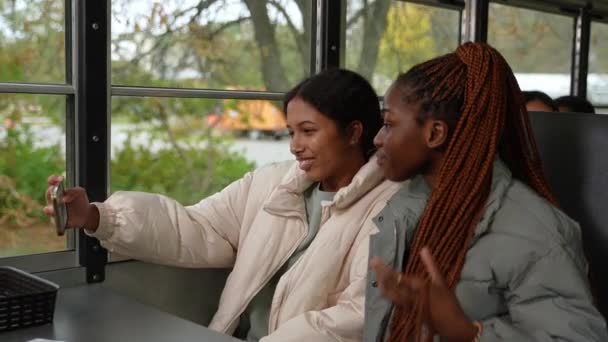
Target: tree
<point>531,41</point>
<point>598,54</point>
<point>30,34</point>
<point>408,40</point>
<point>412,33</point>
<point>275,35</point>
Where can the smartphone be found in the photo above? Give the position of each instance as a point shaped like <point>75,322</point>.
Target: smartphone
<point>61,211</point>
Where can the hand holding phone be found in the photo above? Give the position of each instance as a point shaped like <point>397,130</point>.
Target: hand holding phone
<point>61,210</point>
<point>60,201</point>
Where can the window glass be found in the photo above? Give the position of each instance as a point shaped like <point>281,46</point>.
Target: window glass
<point>385,38</point>
<point>32,41</point>
<point>189,149</point>
<point>245,44</point>
<point>32,146</point>
<point>537,46</point>
<point>597,80</point>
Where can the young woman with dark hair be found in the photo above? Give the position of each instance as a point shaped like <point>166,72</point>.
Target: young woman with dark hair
<point>295,233</point>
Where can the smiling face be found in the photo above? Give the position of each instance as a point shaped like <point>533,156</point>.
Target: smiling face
<point>321,148</point>
<point>408,145</point>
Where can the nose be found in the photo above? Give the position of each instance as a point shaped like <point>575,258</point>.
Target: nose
<point>379,138</point>
<point>295,145</point>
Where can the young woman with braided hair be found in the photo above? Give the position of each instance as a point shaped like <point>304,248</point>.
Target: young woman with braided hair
<point>472,247</point>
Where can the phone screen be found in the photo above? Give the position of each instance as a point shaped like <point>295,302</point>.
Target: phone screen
<point>61,211</point>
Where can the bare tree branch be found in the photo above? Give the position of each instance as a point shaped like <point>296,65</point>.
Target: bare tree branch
<point>264,32</point>
<point>374,23</point>
<point>200,7</point>
<point>211,35</point>
<point>299,37</point>
<point>162,42</point>
<point>273,73</point>
<point>306,10</point>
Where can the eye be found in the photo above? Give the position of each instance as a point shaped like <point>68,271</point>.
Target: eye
<point>386,125</point>
<point>291,133</point>
<point>308,131</point>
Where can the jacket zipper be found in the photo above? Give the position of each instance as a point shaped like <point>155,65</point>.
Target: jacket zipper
<point>271,274</point>
<point>287,285</point>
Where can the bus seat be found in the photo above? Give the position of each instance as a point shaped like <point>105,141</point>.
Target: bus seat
<point>574,151</point>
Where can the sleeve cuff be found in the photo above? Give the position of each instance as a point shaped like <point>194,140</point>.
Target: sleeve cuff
<point>107,220</point>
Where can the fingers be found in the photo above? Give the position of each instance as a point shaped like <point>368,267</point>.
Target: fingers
<point>395,286</point>
<point>376,263</point>
<point>52,181</point>
<point>431,267</point>
<point>70,194</point>
<point>49,211</point>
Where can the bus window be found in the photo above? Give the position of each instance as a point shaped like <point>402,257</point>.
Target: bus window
<point>32,146</point>
<point>597,79</point>
<point>384,38</point>
<point>537,45</point>
<point>179,44</point>
<point>32,125</point>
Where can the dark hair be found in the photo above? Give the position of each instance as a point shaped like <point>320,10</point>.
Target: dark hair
<point>575,104</point>
<point>535,95</point>
<point>415,90</point>
<point>343,96</point>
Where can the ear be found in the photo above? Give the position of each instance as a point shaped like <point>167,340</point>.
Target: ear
<point>354,132</point>
<point>436,133</point>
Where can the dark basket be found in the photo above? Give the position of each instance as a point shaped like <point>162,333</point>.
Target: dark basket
<point>25,300</point>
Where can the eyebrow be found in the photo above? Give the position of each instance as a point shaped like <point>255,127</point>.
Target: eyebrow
<point>303,123</point>
<point>383,111</point>
<point>306,122</point>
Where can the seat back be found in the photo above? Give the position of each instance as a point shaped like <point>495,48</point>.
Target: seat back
<point>574,151</point>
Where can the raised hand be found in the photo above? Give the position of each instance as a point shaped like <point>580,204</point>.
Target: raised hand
<point>80,213</point>
<point>445,316</point>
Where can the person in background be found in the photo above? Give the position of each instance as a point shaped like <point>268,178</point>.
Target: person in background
<point>537,101</point>
<point>473,246</point>
<point>295,233</point>
<point>574,104</point>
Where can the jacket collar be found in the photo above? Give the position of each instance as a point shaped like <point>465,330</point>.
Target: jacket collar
<point>413,195</point>
<point>287,198</point>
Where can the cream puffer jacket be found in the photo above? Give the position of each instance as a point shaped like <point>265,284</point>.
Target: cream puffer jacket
<point>253,226</point>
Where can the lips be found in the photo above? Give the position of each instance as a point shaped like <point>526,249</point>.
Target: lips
<point>305,164</point>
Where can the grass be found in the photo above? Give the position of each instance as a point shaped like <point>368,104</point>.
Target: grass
<point>38,238</point>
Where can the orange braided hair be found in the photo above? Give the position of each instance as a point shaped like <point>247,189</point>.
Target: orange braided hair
<point>474,90</point>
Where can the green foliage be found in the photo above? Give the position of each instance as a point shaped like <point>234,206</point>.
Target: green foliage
<point>32,41</point>
<point>187,177</point>
<point>24,169</point>
<point>171,44</point>
<point>27,107</point>
<point>410,39</point>
<point>152,110</point>
<point>412,33</point>
<point>27,164</point>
